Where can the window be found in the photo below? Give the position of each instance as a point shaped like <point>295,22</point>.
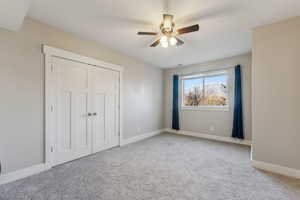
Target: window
<point>208,90</point>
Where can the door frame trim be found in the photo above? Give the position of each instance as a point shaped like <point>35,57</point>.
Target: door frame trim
<point>50,52</point>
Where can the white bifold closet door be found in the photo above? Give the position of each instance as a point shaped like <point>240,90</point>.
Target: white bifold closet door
<point>105,101</point>
<point>87,109</point>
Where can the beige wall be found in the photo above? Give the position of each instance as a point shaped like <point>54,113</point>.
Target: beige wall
<point>22,91</point>
<point>276,93</point>
<point>200,121</point>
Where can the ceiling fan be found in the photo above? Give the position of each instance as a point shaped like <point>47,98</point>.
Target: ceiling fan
<point>170,36</point>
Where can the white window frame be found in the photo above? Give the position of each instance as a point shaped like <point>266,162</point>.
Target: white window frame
<point>203,75</point>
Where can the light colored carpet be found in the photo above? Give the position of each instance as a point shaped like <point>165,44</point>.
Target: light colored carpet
<point>165,167</point>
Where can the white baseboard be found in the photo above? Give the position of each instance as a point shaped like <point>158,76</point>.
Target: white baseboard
<point>140,137</point>
<point>22,173</point>
<point>210,137</point>
<point>278,169</point>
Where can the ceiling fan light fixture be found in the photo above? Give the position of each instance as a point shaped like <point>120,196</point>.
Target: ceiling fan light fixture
<point>165,44</point>
<point>169,34</point>
<point>173,41</point>
<point>163,39</point>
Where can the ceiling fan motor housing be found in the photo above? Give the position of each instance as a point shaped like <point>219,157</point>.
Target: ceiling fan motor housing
<point>167,26</point>
<point>167,30</point>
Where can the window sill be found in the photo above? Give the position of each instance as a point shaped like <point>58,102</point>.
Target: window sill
<point>205,108</point>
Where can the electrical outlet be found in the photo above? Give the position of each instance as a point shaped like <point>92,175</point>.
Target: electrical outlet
<point>211,128</point>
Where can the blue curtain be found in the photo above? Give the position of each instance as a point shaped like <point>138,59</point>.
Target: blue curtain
<point>238,128</point>
<point>175,112</point>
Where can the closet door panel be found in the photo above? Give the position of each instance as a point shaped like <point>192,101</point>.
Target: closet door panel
<point>111,129</point>
<point>64,121</point>
<point>99,122</point>
<point>73,136</point>
<point>81,121</point>
<point>105,92</point>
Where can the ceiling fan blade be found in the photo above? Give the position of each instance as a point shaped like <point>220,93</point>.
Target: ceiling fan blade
<point>188,29</point>
<point>154,44</point>
<point>147,33</point>
<point>179,41</point>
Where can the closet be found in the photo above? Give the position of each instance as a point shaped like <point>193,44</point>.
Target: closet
<point>84,102</point>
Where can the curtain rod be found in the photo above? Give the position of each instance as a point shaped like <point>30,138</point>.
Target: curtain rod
<point>206,71</point>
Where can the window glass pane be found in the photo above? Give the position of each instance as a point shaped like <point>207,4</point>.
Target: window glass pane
<point>193,92</point>
<point>215,90</point>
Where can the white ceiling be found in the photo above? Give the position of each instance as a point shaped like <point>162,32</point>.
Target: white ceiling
<point>225,25</point>
<point>12,13</point>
